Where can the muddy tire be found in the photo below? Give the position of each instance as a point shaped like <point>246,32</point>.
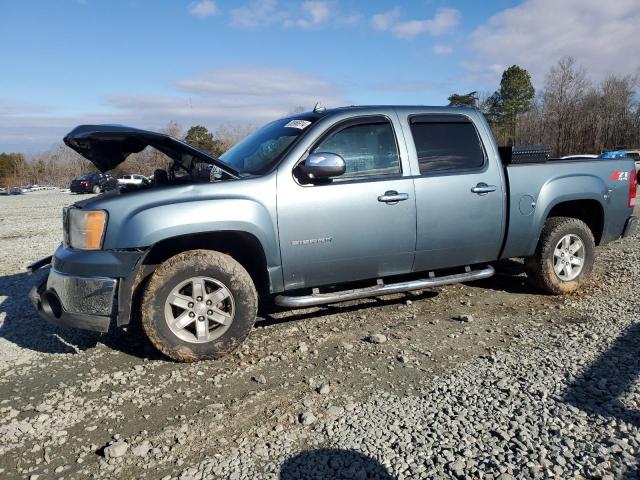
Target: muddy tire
<point>199,305</point>
<point>563,258</point>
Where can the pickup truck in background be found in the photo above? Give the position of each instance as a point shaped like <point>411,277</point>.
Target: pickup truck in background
<point>316,208</point>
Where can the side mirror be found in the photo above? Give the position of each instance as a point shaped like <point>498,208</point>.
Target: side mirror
<point>323,165</point>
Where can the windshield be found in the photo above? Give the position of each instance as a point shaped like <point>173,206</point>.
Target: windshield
<point>262,149</point>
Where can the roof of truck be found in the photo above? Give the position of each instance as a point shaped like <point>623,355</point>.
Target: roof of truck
<point>325,112</point>
<point>396,107</point>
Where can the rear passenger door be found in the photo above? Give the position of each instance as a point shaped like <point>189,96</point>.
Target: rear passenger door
<point>459,194</point>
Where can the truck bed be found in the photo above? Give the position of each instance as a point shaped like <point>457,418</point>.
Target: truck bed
<point>534,189</point>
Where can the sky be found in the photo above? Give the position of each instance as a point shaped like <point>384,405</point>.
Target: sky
<point>214,62</point>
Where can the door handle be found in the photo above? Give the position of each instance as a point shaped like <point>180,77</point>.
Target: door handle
<point>391,196</point>
<point>482,188</point>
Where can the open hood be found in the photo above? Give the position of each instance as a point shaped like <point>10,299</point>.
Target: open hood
<point>107,146</point>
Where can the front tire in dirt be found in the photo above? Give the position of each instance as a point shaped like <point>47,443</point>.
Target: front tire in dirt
<point>563,258</point>
<point>199,305</point>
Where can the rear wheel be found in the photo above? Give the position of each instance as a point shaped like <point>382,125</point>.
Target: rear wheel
<point>564,256</point>
<point>199,305</point>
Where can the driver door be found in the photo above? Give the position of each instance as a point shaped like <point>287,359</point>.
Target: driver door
<point>360,225</point>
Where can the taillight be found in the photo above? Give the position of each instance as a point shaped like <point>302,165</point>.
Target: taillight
<point>633,188</point>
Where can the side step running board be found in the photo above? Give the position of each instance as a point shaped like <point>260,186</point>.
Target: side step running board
<point>317,298</point>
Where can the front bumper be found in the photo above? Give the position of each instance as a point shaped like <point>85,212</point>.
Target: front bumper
<point>75,301</point>
<point>630,226</point>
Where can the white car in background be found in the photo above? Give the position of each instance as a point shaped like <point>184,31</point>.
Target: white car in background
<point>137,180</point>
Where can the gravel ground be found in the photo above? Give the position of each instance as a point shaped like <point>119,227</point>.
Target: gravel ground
<point>485,380</point>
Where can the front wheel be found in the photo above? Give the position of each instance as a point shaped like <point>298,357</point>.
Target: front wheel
<point>564,256</point>
<point>96,189</point>
<point>199,305</point>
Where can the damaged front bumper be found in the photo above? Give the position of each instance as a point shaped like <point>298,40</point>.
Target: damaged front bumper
<point>78,302</point>
<point>86,289</point>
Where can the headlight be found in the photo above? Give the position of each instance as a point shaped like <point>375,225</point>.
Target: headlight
<point>86,228</point>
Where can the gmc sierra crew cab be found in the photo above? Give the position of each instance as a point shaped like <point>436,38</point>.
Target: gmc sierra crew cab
<point>316,208</point>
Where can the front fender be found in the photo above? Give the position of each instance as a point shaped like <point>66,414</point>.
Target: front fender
<point>148,226</point>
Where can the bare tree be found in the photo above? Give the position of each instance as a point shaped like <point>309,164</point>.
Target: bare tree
<point>230,134</point>
<point>565,88</point>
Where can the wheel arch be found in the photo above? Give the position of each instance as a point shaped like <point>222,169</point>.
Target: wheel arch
<point>577,196</point>
<point>242,246</point>
<point>589,211</point>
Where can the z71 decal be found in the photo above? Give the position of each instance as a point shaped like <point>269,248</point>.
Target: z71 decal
<point>620,176</point>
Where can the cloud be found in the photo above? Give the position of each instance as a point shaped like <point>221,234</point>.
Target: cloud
<point>383,21</point>
<point>259,12</point>
<point>442,49</point>
<point>601,36</point>
<point>12,107</point>
<point>246,95</point>
<point>203,9</point>
<point>444,20</point>
<point>314,13</point>
<point>307,15</point>
<point>405,86</point>
<point>349,19</point>
<point>259,81</point>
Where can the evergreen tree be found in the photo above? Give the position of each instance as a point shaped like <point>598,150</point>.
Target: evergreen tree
<point>201,138</point>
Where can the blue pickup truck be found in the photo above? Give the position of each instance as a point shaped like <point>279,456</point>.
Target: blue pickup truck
<point>320,207</point>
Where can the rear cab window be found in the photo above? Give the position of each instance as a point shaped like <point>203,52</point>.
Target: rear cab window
<point>446,143</point>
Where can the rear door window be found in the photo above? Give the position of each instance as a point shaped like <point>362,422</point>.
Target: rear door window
<point>446,143</point>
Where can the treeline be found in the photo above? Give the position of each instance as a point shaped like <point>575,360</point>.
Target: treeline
<point>571,114</point>
<point>61,164</point>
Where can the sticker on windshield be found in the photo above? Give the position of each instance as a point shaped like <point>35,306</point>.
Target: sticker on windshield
<point>301,124</point>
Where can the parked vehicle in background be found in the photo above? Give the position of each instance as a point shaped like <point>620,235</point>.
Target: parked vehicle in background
<point>137,180</point>
<point>613,154</point>
<point>37,188</point>
<point>574,157</point>
<point>635,156</point>
<point>16,191</point>
<point>94,182</point>
<point>316,208</point>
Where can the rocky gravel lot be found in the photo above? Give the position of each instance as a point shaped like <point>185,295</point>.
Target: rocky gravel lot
<point>483,380</point>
